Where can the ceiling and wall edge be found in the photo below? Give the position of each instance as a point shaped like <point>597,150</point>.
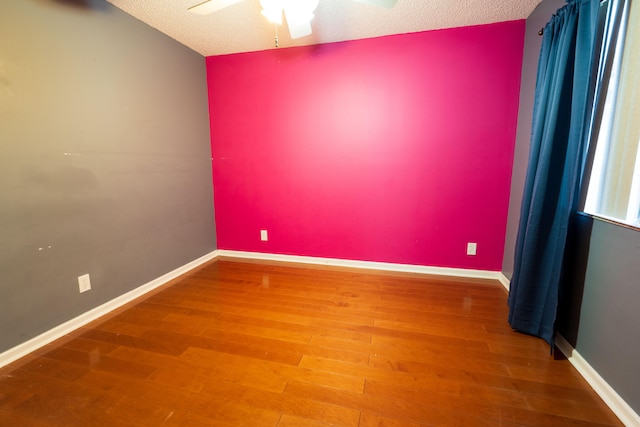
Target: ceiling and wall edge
<point>241,27</point>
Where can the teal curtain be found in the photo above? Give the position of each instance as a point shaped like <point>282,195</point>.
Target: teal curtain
<point>559,136</point>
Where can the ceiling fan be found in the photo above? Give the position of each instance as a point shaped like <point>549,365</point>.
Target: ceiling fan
<point>298,13</point>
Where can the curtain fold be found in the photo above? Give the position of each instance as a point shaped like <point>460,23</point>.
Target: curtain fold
<point>558,145</point>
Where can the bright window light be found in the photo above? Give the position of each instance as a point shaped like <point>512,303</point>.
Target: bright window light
<point>614,183</point>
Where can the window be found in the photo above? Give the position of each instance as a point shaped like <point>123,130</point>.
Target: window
<point>614,179</point>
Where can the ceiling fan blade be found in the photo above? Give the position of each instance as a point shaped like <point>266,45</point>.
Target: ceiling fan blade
<point>211,6</point>
<point>297,28</point>
<point>382,3</point>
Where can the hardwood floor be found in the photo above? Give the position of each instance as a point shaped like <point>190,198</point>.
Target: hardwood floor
<point>256,344</point>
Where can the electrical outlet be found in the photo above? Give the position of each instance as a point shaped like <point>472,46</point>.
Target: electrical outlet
<point>84,283</point>
<point>264,236</point>
<point>472,248</point>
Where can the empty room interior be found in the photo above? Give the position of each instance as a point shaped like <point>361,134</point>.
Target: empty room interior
<point>257,229</point>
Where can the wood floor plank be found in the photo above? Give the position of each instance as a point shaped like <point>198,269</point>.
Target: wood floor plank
<point>371,420</point>
<point>63,403</point>
<point>193,327</point>
<point>166,308</point>
<point>189,419</point>
<point>222,408</point>
<point>16,388</point>
<point>588,410</point>
<point>459,389</point>
<point>131,408</point>
<point>14,419</point>
<point>272,344</point>
<point>261,370</point>
<point>266,328</point>
<point>280,330</point>
<point>425,366</point>
<point>222,346</point>
<point>97,361</point>
<point>554,374</point>
<point>392,376</point>
<point>532,418</point>
<point>170,347</point>
<point>90,346</point>
<point>292,421</point>
<point>55,369</point>
<point>146,391</point>
<point>440,412</point>
<point>299,407</point>
<point>414,341</point>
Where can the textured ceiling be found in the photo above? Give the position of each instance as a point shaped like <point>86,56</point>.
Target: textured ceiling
<point>241,27</point>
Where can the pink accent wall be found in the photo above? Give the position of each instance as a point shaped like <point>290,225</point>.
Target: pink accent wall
<point>394,149</point>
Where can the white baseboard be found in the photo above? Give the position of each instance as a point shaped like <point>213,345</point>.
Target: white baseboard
<point>504,280</point>
<point>370,265</point>
<point>615,402</point>
<point>59,331</point>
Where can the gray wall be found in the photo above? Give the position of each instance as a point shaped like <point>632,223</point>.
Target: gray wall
<point>104,159</point>
<point>599,314</point>
<point>607,336</point>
